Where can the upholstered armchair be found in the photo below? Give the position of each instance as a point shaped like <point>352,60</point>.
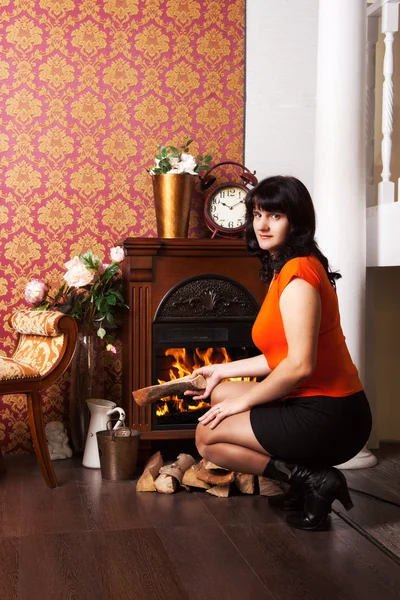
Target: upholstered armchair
<point>45,346</point>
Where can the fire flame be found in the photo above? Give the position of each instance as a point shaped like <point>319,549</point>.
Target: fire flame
<point>184,365</point>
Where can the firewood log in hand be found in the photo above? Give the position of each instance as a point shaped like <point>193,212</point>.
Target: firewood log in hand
<point>150,394</point>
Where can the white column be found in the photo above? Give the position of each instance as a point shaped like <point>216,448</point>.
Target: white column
<point>339,175</point>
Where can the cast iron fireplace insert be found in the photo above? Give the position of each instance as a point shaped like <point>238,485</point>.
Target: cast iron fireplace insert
<point>202,320</point>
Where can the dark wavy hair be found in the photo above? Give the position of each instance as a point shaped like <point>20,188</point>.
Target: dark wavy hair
<point>289,196</point>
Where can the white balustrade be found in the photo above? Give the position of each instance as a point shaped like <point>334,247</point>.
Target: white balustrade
<point>388,10</point>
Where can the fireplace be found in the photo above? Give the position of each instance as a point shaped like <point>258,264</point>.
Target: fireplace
<point>209,317</point>
<point>191,302</point>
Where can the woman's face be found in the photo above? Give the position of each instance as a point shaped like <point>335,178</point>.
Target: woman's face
<point>271,229</point>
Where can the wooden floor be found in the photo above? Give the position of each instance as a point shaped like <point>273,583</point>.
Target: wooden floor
<point>90,539</point>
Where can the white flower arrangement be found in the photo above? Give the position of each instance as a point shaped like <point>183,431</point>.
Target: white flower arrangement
<point>91,294</point>
<point>173,160</point>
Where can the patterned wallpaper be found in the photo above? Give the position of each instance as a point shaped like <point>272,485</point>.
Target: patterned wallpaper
<point>88,90</point>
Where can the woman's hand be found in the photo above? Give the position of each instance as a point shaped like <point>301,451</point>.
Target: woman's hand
<point>212,378</point>
<point>223,409</point>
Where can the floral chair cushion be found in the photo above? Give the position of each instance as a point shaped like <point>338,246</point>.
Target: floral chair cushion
<point>13,369</point>
<point>39,347</point>
<point>40,352</point>
<point>36,322</point>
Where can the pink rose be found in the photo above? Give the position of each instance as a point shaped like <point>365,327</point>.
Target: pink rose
<point>36,291</point>
<point>111,348</point>
<point>78,275</point>
<point>117,254</point>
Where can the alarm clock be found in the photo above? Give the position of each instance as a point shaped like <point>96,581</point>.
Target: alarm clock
<point>224,204</point>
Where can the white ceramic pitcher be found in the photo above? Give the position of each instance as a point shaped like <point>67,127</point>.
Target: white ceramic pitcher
<point>100,413</point>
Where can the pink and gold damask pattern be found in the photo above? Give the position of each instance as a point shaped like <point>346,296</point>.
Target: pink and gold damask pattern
<point>88,90</point>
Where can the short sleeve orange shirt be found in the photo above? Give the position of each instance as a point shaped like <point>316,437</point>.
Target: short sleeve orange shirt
<point>335,373</point>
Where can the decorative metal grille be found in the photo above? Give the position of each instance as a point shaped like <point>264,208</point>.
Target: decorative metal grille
<point>207,297</point>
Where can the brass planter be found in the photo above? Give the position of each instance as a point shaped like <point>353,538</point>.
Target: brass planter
<point>172,199</point>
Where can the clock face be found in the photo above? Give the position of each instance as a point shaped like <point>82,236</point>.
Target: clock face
<point>227,207</point>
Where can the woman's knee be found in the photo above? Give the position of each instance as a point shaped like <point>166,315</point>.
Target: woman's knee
<point>201,440</point>
<point>203,450</point>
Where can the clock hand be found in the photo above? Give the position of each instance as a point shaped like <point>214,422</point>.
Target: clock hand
<point>233,205</point>
<point>240,202</point>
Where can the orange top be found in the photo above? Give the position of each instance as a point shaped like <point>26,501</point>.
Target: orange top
<point>335,373</point>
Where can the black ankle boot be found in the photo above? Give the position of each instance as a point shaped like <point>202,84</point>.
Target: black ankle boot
<point>320,488</point>
<point>291,499</point>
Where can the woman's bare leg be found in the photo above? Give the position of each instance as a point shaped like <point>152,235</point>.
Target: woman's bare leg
<point>232,444</point>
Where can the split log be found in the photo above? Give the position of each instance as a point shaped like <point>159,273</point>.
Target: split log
<point>245,483</point>
<point>178,468</point>
<point>269,487</point>
<point>215,476</point>
<point>170,477</point>
<point>152,393</point>
<point>190,477</point>
<point>222,491</point>
<point>150,473</point>
<point>165,484</point>
<point>207,464</point>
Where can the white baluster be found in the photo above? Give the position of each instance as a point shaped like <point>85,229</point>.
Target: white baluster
<point>390,24</point>
<point>372,38</point>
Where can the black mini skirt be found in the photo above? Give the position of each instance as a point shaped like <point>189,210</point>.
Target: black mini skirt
<point>314,430</point>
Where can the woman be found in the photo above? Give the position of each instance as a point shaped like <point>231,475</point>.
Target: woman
<point>308,411</point>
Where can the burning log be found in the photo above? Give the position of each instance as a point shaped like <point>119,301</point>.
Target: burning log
<point>190,477</point>
<point>269,487</point>
<point>245,483</point>
<point>150,474</point>
<point>170,477</point>
<point>222,491</point>
<point>175,386</point>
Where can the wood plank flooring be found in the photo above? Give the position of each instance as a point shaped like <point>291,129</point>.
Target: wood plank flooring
<point>89,539</point>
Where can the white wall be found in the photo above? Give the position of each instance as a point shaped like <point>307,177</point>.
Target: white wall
<point>281,55</point>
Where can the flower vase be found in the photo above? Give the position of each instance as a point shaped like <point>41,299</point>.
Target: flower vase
<point>172,200</point>
<point>87,381</point>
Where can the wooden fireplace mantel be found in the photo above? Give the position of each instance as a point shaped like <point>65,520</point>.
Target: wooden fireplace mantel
<point>151,268</point>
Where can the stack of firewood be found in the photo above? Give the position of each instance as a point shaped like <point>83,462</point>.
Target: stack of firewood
<point>186,473</point>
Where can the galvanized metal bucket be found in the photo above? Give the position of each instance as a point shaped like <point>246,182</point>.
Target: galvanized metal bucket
<point>118,451</point>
